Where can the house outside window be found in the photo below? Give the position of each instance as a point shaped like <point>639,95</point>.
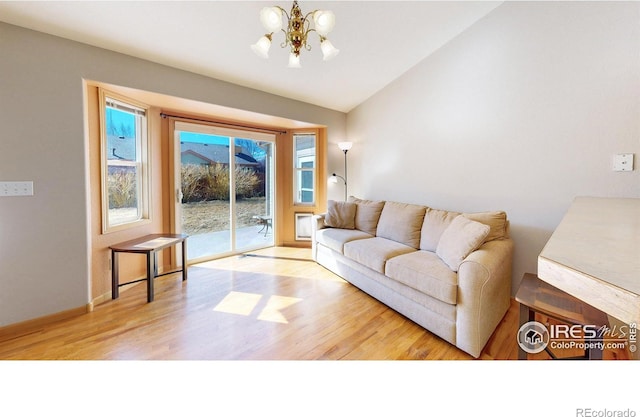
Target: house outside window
<point>305,169</point>
<point>125,171</point>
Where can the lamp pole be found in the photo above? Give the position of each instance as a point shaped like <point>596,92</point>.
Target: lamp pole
<point>345,174</point>
<point>344,147</point>
<point>335,176</point>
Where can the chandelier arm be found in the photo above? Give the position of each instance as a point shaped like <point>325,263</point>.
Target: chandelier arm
<point>285,13</point>
<point>307,29</point>
<point>286,39</point>
<point>310,13</point>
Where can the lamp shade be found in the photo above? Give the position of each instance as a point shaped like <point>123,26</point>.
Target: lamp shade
<point>345,146</point>
<point>294,61</point>
<point>328,50</point>
<point>271,18</point>
<point>261,48</point>
<point>324,21</point>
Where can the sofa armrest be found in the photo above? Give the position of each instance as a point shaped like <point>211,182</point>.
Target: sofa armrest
<point>484,293</point>
<point>317,222</point>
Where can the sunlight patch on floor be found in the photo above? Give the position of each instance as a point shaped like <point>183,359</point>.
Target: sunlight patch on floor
<point>244,304</point>
<point>290,262</point>
<point>241,303</point>
<point>271,311</point>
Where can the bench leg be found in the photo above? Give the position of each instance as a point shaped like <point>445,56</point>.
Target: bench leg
<point>115,276</point>
<point>150,275</point>
<point>184,260</point>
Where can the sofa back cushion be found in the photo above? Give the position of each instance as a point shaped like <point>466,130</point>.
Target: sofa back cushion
<point>402,223</point>
<point>367,214</point>
<point>496,220</point>
<point>435,223</point>
<point>340,214</point>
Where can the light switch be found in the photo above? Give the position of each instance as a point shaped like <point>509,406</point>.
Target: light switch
<point>623,162</point>
<point>16,188</point>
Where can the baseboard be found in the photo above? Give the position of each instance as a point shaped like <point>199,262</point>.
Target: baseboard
<point>13,331</point>
<point>297,244</point>
<point>101,299</point>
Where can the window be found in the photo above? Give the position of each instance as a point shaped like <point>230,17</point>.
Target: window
<point>125,183</point>
<point>305,168</point>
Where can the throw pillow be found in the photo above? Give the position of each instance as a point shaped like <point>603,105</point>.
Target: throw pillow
<point>459,239</point>
<point>340,214</point>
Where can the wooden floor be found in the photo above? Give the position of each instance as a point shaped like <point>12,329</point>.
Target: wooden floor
<point>272,304</point>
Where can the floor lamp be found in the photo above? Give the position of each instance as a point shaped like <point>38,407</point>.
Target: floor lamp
<point>344,147</point>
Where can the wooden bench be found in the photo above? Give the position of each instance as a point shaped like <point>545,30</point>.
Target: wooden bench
<point>148,245</point>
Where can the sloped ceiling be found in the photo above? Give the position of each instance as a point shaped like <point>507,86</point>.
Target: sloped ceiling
<point>378,40</point>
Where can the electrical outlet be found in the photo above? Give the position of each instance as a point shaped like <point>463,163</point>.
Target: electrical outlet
<point>16,188</point>
<point>623,162</point>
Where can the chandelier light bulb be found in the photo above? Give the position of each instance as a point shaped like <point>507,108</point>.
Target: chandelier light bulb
<point>261,48</point>
<point>294,61</point>
<point>328,50</point>
<point>271,18</point>
<point>324,21</point>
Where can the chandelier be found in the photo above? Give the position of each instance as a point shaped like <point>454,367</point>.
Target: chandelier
<point>297,30</point>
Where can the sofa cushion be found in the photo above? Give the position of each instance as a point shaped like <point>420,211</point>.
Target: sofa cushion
<point>435,222</point>
<point>336,238</point>
<point>367,214</point>
<point>426,272</point>
<point>374,253</point>
<point>462,237</point>
<point>341,214</point>
<point>401,223</point>
<point>496,220</point>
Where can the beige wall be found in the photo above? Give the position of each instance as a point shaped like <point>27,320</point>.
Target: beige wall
<point>45,240</point>
<point>522,112</point>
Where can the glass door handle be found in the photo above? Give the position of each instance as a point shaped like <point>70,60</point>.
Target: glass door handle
<point>179,195</point>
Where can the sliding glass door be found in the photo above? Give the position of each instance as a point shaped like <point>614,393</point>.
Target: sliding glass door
<point>225,190</point>
<point>254,192</point>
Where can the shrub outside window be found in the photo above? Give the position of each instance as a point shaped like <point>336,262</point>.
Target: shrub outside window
<point>125,180</point>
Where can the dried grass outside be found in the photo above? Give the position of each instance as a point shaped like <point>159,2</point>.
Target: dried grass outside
<point>211,182</point>
<point>213,216</point>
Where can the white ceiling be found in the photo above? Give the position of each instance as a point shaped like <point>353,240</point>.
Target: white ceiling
<point>378,40</point>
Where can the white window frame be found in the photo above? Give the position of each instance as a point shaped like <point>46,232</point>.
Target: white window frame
<point>298,159</point>
<point>142,162</point>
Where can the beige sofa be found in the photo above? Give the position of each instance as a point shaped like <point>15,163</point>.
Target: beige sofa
<point>449,272</point>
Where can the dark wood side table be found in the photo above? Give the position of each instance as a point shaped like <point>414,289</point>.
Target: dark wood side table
<point>537,296</point>
<point>148,245</point>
